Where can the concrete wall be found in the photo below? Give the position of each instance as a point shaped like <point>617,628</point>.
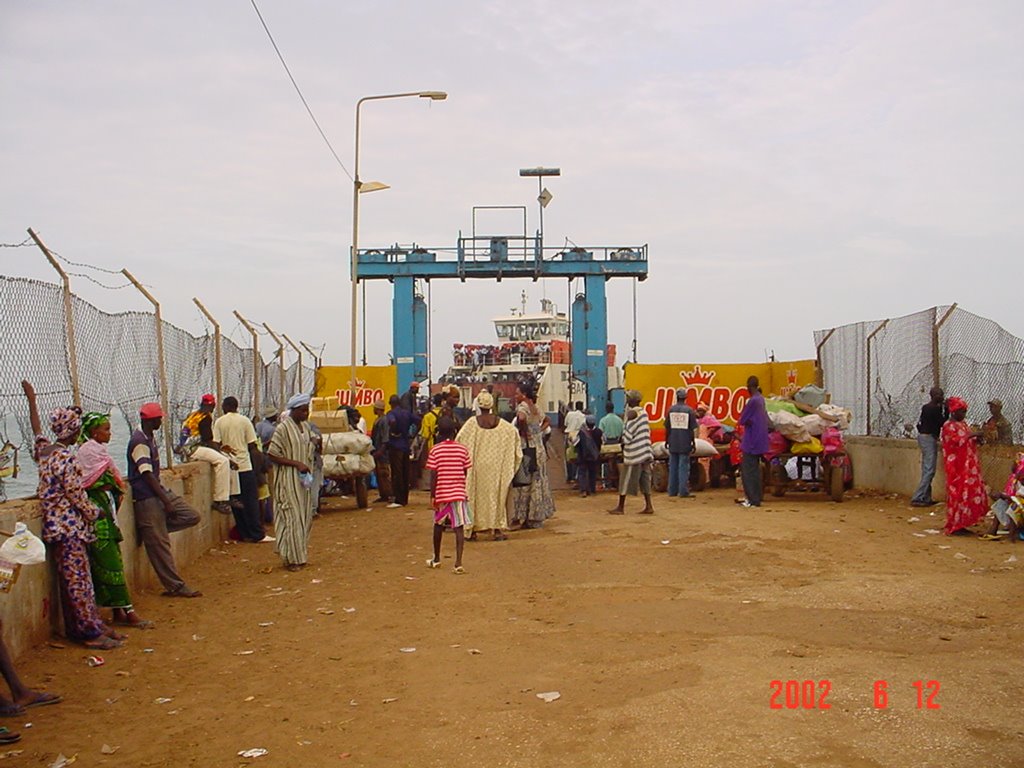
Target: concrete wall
<point>31,611</point>
<point>894,466</point>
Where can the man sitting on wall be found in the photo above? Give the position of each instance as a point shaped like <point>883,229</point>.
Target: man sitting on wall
<point>196,443</point>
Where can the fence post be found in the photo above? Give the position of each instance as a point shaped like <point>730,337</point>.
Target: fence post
<point>313,354</point>
<point>820,373</point>
<point>216,348</point>
<point>298,351</point>
<point>280,360</point>
<point>69,320</point>
<point>257,363</point>
<point>168,445</point>
<point>867,345</point>
<point>935,341</point>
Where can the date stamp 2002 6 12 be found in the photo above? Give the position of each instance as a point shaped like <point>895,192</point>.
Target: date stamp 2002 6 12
<point>813,694</point>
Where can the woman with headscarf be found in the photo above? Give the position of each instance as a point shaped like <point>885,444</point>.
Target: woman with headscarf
<point>966,496</point>
<point>494,447</point>
<point>291,450</point>
<point>68,517</point>
<point>533,503</point>
<point>105,489</point>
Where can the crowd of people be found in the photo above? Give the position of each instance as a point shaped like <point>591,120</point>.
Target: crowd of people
<point>943,427</point>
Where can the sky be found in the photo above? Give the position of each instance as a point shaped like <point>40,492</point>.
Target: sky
<point>791,165</point>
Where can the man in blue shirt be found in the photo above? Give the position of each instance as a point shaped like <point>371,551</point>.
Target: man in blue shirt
<point>680,424</point>
<point>401,426</point>
<point>754,420</point>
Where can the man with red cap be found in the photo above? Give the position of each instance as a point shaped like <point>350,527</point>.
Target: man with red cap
<point>411,399</point>
<point>196,443</point>
<point>158,512</point>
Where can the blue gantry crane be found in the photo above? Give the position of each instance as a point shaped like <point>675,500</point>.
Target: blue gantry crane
<point>497,258</point>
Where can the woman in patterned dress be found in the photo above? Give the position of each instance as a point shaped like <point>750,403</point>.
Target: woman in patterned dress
<point>533,504</point>
<point>966,495</point>
<point>68,517</point>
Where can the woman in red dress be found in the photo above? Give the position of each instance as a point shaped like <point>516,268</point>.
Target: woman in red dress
<point>966,495</point>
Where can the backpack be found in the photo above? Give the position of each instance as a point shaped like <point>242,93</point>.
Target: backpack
<point>586,447</point>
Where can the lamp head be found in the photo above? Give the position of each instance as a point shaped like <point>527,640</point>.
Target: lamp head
<point>433,95</point>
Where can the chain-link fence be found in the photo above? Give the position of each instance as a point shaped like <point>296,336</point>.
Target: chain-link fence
<point>118,365</point>
<point>883,369</point>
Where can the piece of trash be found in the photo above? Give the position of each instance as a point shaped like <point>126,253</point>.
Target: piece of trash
<point>410,649</point>
<point>163,700</point>
<point>244,653</point>
<point>666,541</point>
<point>835,530</point>
<point>28,725</point>
<point>349,610</point>
<point>945,546</point>
<point>932,531</point>
<point>746,602</point>
<point>474,651</point>
<point>62,761</point>
<point>316,581</point>
<point>455,645</point>
<point>266,623</point>
<point>325,611</point>
<point>197,637</point>
<point>353,703</point>
<point>123,673</point>
<point>872,530</point>
<point>94,661</point>
<point>913,519</point>
<point>549,696</point>
<point>1011,559</point>
<point>961,556</point>
<point>410,578</point>
<point>255,752</point>
<point>249,698</point>
<point>147,650</point>
<point>58,646</point>
<point>919,535</point>
<point>10,753</point>
<point>945,637</point>
<point>388,701</point>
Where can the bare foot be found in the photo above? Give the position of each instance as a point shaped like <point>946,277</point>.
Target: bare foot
<point>616,511</point>
<point>647,511</point>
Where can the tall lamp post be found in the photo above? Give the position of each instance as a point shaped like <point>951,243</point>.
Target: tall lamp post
<point>358,187</point>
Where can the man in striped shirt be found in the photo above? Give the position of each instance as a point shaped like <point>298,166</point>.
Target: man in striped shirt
<point>448,464</point>
<point>637,456</point>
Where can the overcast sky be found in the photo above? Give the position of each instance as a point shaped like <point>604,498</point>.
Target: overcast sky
<point>791,165</point>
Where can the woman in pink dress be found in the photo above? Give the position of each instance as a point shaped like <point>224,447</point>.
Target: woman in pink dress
<point>966,495</point>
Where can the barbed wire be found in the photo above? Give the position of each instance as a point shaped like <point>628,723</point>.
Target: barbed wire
<point>26,243</point>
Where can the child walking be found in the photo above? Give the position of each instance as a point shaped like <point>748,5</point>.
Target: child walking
<point>448,464</point>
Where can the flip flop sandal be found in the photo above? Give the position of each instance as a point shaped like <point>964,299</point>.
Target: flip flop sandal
<point>989,537</point>
<point>184,592</point>
<point>103,643</point>
<point>45,700</point>
<point>433,563</point>
<point>458,570</point>
<point>8,736</point>
<point>12,710</point>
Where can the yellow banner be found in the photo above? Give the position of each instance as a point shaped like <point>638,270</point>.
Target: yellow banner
<point>373,382</point>
<point>720,387</point>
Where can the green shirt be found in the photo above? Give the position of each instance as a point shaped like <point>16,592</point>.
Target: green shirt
<point>611,427</point>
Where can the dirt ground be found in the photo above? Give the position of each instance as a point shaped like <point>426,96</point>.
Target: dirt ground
<point>662,634</point>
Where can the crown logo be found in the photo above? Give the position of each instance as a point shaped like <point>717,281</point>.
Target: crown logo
<point>791,375</point>
<point>359,383</point>
<point>697,377</point>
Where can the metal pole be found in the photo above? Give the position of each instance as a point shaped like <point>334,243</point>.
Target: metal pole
<point>312,353</point>
<point>936,363</point>
<point>356,184</point>
<point>257,363</point>
<point>69,320</point>
<point>216,349</point>
<point>820,373</point>
<point>298,351</point>
<point>162,363</point>
<point>280,358</point>
<point>867,345</point>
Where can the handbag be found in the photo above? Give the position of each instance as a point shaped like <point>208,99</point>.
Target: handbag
<point>527,468</point>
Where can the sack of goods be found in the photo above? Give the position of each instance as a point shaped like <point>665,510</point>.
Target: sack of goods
<point>347,443</point>
<point>660,450</point>
<point>23,548</point>
<point>790,426</point>
<point>703,448</point>
<point>347,465</point>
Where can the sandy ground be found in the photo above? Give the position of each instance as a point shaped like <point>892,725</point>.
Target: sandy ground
<point>662,634</point>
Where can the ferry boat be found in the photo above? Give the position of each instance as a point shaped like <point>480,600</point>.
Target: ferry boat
<point>529,345</point>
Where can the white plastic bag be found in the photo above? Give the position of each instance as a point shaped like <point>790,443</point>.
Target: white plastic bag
<point>347,442</point>
<point>23,548</point>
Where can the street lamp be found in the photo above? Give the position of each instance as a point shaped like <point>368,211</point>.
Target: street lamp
<point>359,187</point>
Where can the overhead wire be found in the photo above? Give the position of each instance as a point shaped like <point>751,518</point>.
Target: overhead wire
<point>299,90</point>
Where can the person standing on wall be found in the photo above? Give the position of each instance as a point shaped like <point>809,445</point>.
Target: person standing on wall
<point>929,428</point>
<point>754,420</point>
<point>680,425</point>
